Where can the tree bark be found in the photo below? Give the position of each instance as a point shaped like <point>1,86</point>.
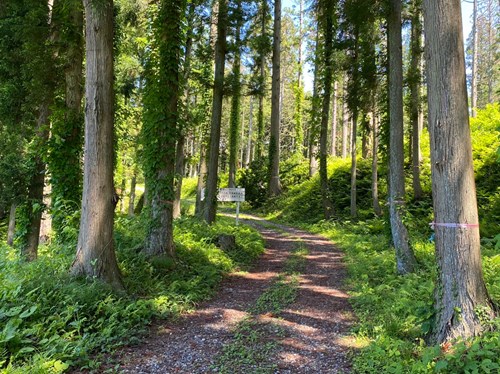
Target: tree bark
<point>313,128</point>
<point>29,251</point>
<point>460,289</point>
<point>345,121</point>
<point>405,259</point>
<point>161,127</point>
<point>235,125</point>
<point>416,116</point>
<point>210,206</point>
<point>95,256</point>
<point>131,200</point>
<point>180,156</point>
<point>327,83</point>
<point>376,204</point>
<point>11,232</point>
<point>179,175</point>
<point>262,57</point>
<point>65,157</point>
<point>249,143</point>
<point>274,142</point>
<point>354,160</point>
<point>474,60</point>
<point>333,140</point>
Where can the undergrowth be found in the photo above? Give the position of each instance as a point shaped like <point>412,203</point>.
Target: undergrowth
<point>50,322</point>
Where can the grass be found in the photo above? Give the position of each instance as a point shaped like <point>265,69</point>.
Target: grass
<point>50,322</point>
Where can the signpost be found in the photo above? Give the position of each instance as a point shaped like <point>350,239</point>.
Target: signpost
<point>230,194</point>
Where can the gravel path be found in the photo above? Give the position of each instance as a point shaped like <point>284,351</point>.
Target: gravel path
<point>315,325</point>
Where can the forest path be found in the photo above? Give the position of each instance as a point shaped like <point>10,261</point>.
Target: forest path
<point>289,314</point>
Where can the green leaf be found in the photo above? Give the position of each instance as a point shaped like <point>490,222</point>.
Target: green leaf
<point>28,312</point>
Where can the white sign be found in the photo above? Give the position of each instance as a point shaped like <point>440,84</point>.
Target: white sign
<point>228,194</point>
<point>231,194</point>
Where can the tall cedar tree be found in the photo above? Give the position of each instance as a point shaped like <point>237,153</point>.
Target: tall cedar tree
<point>180,152</point>
<point>326,14</point>
<point>416,115</point>
<point>274,141</point>
<point>67,124</point>
<point>95,256</point>
<point>161,126</point>
<point>460,289</point>
<point>405,259</point>
<point>42,63</point>
<point>210,206</point>
<point>235,118</point>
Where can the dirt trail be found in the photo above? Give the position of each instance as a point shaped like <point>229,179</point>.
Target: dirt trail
<point>313,328</point>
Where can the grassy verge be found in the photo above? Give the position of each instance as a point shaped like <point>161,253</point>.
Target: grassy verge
<point>49,321</point>
<point>256,342</point>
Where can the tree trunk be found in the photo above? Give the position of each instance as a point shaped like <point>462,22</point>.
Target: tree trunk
<point>460,289</point>
<point>474,60</point>
<point>235,125</point>
<point>180,157</point>
<point>161,127</point>
<point>376,204</point>
<point>95,256</point>
<point>262,56</point>
<point>210,206</point>
<point>11,232</point>
<point>179,175</point>
<point>405,259</point>
<point>65,157</point>
<point>345,122</point>
<point>323,139</point>
<point>274,142</point>
<point>313,128</point>
<point>416,117</point>
<point>123,187</point>
<point>354,160</point>
<point>29,251</point>
<point>333,140</point>
<point>249,144</point>
<point>131,199</point>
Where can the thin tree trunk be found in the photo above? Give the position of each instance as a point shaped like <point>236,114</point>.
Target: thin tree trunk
<point>235,125</point>
<point>274,142</point>
<point>179,175</point>
<point>12,225</point>
<point>460,289</point>
<point>376,204</point>
<point>262,56</point>
<point>415,106</point>
<point>210,206</point>
<point>35,189</point>
<point>345,122</point>
<point>327,83</point>
<point>123,187</point>
<point>249,142</point>
<point>95,256</point>
<point>131,200</point>
<point>333,140</point>
<point>354,160</point>
<point>405,259</point>
<point>474,59</point>
<point>313,130</point>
